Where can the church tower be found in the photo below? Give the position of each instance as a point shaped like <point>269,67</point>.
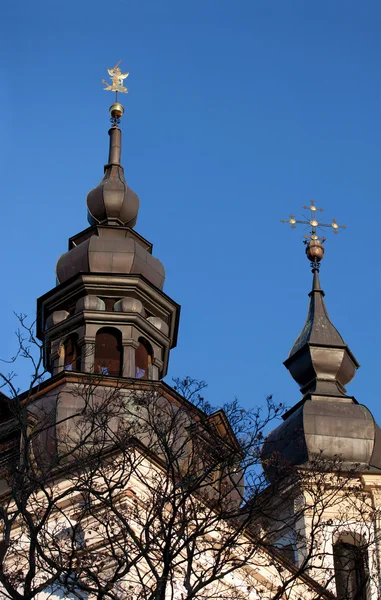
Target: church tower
<point>108,314</point>
<point>324,461</point>
<point>326,419</point>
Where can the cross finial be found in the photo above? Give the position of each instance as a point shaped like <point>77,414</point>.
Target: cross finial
<point>314,243</point>
<point>312,221</point>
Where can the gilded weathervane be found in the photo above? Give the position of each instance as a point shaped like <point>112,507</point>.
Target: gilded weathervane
<point>314,244</point>
<point>116,85</point>
<point>117,79</point>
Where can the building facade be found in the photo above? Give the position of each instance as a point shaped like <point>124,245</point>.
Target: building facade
<point>115,485</point>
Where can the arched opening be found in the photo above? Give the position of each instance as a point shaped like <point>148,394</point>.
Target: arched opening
<point>108,352</point>
<point>143,360</point>
<point>350,557</point>
<point>72,354</point>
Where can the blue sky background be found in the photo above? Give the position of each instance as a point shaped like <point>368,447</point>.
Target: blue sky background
<point>238,114</point>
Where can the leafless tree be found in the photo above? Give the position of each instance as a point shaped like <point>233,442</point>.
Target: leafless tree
<point>138,490</point>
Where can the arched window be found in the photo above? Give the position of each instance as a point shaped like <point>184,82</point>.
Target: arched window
<point>350,557</point>
<point>72,354</point>
<point>143,360</point>
<point>108,352</point>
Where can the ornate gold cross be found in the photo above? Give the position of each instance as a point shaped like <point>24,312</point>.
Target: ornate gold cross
<point>314,244</point>
<point>312,221</point>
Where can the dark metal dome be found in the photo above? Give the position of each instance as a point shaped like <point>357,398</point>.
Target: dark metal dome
<point>112,201</point>
<point>110,245</point>
<point>326,421</point>
<point>338,431</point>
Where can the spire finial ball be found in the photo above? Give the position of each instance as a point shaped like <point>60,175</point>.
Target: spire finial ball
<point>314,250</point>
<point>116,110</point>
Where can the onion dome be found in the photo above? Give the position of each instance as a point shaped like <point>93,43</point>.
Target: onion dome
<point>343,433</point>
<point>112,202</point>
<point>325,422</point>
<point>103,253</point>
<point>110,245</point>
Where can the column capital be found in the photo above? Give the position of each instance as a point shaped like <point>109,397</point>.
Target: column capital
<point>130,342</point>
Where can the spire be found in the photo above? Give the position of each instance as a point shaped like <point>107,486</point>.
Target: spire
<point>110,245</point>
<point>115,151</point>
<point>318,327</point>
<point>325,422</point>
<point>320,361</point>
<point>108,314</point>
<point>113,202</point>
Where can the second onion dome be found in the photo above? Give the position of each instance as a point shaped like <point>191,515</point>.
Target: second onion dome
<point>113,202</point>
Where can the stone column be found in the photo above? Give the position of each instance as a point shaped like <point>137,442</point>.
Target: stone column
<point>129,347</point>
<point>87,346</point>
<point>156,367</point>
<point>57,355</point>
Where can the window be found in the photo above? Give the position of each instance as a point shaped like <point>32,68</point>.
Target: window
<point>143,360</point>
<point>108,352</point>
<point>351,568</point>
<point>72,354</point>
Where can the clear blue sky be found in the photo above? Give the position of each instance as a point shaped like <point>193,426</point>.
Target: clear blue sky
<point>238,114</point>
